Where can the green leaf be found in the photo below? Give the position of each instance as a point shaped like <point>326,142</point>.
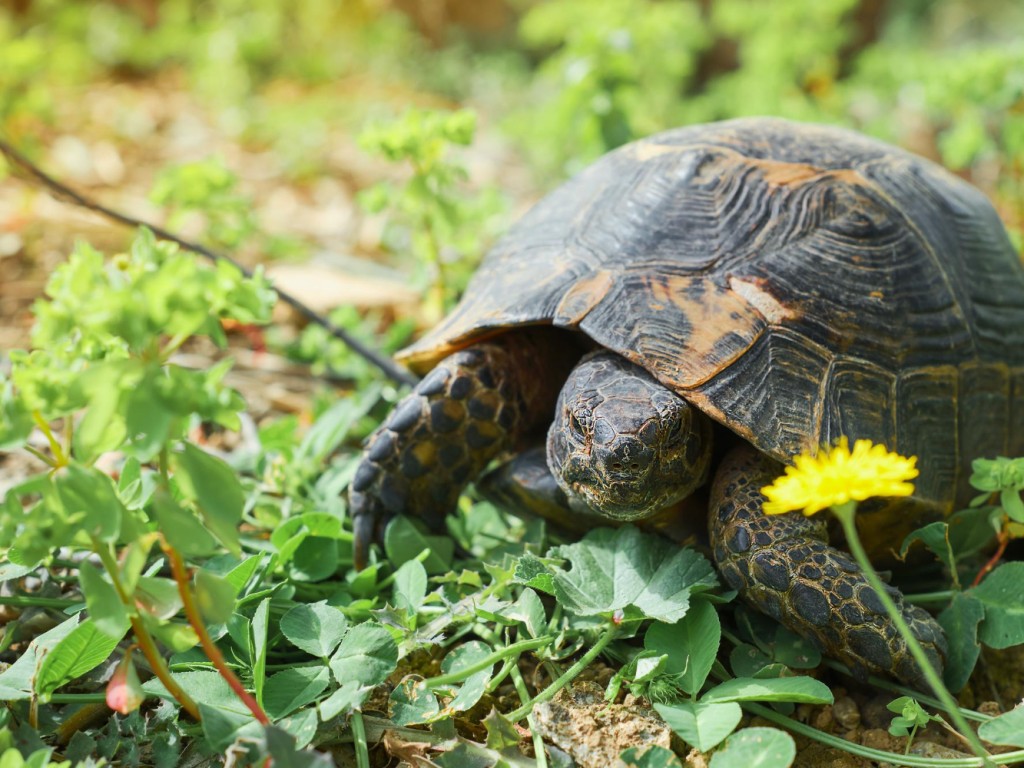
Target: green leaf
<point>214,486</point>
<point>403,541</point>
<point>756,748</point>
<point>101,601</point>
<point>17,680</point>
<point>15,419</point>
<point>469,754</point>
<point>82,650</point>
<point>222,727</point>
<point>1003,599</point>
<point>746,660</point>
<point>238,576</point>
<point>410,586</point>
<point>315,558</point>
<point>412,702</point>
<point>1000,473</point>
<point>910,715</point>
<point>1009,499</point>
<point>177,636</point>
<point>147,419</point>
<point>1006,730</point>
<point>102,428</point>
<point>701,724</point>
<point>691,645</point>
<point>133,487</point>
<point>971,530</point>
<point>463,657</point>
<point>315,628</point>
<point>157,596</point>
<point>90,495</point>
<point>348,698</point>
<point>260,632</point>
<point>284,748</point>
<point>201,685</point>
<point>805,690</point>
<point>652,756</point>
<point>290,690</point>
<point>530,611</point>
<point>367,655</point>
<point>531,571</point>
<point>333,425</point>
<point>623,568</point>
<point>10,571</point>
<point>134,555</point>
<point>502,733</point>
<point>289,535</point>
<point>215,596</point>
<point>794,651</point>
<point>181,527</point>
<point>933,536</point>
<point>959,622</point>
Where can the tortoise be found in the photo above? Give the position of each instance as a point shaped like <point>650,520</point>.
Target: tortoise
<point>689,313</point>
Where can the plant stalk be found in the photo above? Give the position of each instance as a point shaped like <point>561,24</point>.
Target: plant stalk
<point>869,753</point>
<point>489,661</point>
<point>209,647</point>
<point>540,753</point>
<point>359,742</point>
<point>568,676</point>
<point>145,641</point>
<point>846,513</point>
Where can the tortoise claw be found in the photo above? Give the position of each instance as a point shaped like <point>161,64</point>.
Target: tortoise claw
<point>368,526</point>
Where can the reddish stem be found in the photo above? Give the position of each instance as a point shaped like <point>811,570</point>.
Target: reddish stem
<point>182,577</point>
<point>144,640</point>
<point>1003,537</point>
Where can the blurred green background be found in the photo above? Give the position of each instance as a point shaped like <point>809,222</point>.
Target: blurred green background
<point>113,96</point>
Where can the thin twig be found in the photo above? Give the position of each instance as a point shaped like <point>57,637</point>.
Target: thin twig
<point>385,364</point>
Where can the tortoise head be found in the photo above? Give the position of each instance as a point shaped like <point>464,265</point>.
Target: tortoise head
<point>622,443</point>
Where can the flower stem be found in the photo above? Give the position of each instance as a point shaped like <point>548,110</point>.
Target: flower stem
<point>846,513</point>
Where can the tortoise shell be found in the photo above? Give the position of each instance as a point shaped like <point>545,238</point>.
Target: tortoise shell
<point>795,282</point>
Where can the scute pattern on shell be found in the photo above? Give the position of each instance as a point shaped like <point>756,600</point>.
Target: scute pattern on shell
<point>699,254</point>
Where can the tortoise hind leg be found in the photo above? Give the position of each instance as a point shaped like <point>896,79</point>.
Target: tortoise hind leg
<point>475,404</point>
<point>784,566</point>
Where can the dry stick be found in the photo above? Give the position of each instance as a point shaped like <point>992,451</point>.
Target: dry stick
<point>389,368</point>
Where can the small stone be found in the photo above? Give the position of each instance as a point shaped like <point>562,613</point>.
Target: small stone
<point>846,712</point>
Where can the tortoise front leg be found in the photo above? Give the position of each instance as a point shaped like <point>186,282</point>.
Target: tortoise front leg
<point>784,566</point>
<point>475,404</point>
<point>524,484</point>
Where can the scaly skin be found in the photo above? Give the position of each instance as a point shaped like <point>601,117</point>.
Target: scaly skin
<point>473,405</point>
<point>784,566</point>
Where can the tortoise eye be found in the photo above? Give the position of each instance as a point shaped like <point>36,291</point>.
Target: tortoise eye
<point>574,424</point>
<point>676,433</point>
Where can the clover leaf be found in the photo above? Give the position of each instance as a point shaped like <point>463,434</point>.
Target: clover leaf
<point>624,569</point>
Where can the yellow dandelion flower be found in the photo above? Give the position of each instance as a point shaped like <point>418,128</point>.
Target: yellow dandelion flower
<point>838,476</point>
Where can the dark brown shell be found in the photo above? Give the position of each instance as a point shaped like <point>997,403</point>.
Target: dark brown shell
<point>795,282</point>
